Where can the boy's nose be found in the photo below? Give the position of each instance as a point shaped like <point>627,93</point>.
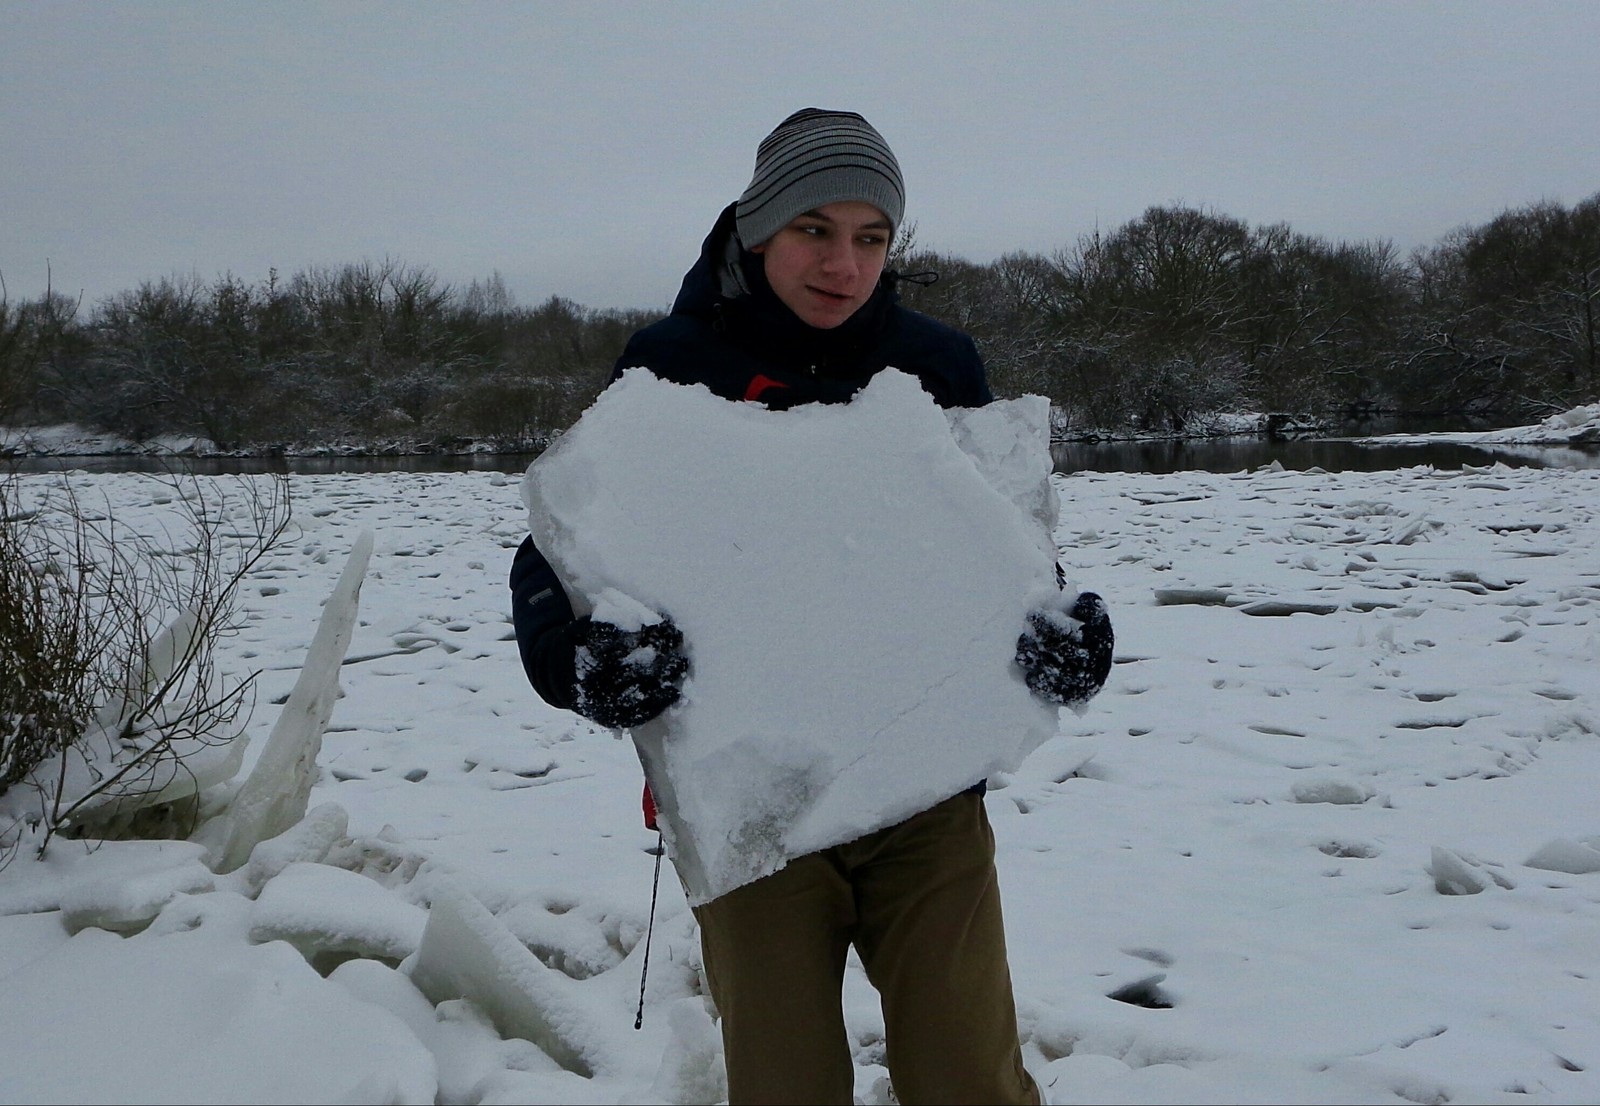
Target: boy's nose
<point>840,258</point>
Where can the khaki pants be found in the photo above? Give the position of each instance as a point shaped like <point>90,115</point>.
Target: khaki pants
<point>921,904</point>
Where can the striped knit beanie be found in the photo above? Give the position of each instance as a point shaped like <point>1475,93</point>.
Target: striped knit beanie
<point>818,157</point>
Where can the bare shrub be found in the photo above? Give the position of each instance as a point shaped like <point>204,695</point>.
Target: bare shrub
<point>112,707</point>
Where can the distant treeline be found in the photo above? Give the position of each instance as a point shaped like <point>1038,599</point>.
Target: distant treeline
<point>1152,326</point>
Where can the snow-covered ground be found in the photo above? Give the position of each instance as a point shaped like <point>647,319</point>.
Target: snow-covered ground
<point>71,440</point>
<point>1329,835</point>
<point>1577,427</point>
<point>1567,439</point>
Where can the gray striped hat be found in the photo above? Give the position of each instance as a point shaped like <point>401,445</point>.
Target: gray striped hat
<point>818,157</point>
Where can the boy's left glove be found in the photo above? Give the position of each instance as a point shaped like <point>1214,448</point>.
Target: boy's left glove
<point>1065,656</point>
<point>627,677</point>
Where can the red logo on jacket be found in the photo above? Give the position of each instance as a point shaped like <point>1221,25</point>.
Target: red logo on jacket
<point>760,384</point>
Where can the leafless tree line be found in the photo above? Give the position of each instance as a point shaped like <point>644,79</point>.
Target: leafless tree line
<point>370,353</point>
<point>1178,313</point>
<point>1182,312</point>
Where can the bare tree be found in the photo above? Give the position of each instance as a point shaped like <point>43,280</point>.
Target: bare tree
<point>12,362</point>
<point>1506,315</point>
<point>27,331</point>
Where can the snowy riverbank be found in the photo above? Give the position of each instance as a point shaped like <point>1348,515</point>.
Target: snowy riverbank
<point>1578,428</point>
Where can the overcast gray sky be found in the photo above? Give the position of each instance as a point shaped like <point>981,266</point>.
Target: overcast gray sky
<point>583,149</point>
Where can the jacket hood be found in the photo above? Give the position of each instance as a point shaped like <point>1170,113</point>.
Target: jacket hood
<point>717,274</point>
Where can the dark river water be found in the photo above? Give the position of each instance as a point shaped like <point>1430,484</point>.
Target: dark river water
<point>1332,454</point>
<point>1234,454</point>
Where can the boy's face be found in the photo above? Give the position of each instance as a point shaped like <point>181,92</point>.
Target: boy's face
<point>826,262</point>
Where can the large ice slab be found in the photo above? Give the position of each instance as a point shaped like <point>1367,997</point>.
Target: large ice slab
<point>850,581</point>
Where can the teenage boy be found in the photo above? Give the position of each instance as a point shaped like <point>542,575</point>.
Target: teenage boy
<point>789,304</point>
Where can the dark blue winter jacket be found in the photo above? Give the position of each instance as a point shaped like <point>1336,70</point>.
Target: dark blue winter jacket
<point>729,331</point>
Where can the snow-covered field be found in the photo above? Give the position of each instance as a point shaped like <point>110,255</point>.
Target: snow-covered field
<point>1329,835</point>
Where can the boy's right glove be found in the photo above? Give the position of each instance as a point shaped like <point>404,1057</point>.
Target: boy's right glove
<point>627,677</point>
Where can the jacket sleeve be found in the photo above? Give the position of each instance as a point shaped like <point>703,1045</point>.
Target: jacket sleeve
<point>542,617</point>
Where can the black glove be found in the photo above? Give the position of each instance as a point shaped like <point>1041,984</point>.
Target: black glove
<point>1064,661</point>
<point>625,677</point>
